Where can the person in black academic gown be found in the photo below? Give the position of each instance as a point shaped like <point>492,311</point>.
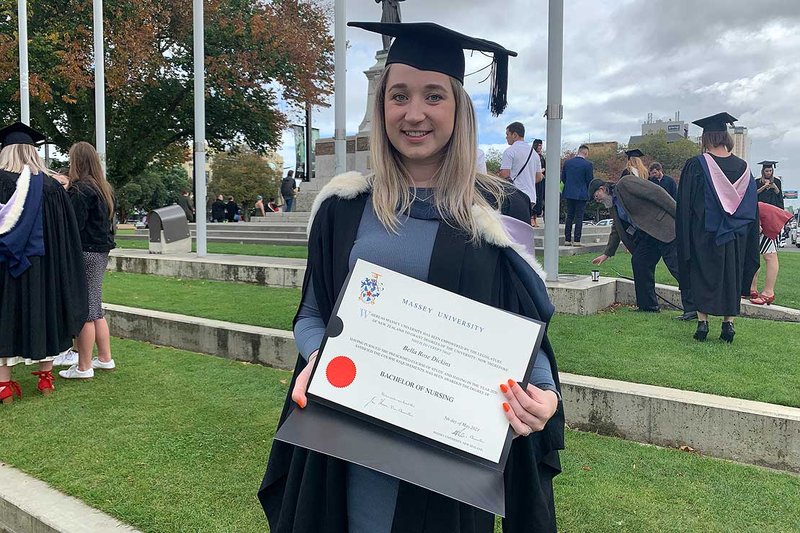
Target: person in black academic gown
<point>423,141</point>
<point>770,192</point>
<point>717,227</point>
<point>43,296</point>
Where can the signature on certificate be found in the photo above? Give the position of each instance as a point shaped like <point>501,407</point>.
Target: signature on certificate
<point>386,401</point>
<point>464,430</point>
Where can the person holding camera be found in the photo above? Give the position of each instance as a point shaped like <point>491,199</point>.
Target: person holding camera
<point>769,192</point>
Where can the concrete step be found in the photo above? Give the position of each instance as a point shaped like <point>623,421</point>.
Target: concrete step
<point>729,428</point>
<point>254,226</point>
<point>238,240</point>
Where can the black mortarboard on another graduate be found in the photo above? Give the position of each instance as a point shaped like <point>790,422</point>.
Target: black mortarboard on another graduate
<point>19,133</point>
<point>428,46</point>
<point>718,122</point>
<point>768,164</point>
<point>634,153</point>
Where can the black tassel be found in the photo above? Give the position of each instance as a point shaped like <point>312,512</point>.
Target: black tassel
<point>499,88</point>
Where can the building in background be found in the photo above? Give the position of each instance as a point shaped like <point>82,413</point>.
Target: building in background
<point>741,142</point>
<point>674,129</point>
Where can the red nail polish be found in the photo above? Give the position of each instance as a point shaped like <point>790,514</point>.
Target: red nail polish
<point>511,382</point>
<point>506,407</point>
<point>301,403</point>
<point>503,388</point>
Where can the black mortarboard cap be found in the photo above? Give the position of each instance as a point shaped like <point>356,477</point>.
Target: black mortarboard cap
<point>718,122</point>
<point>19,133</point>
<point>768,164</point>
<point>428,46</point>
<point>634,153</point>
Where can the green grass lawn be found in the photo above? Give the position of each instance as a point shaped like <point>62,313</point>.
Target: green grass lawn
<point>787,288</point>
<point>761,364</point>
<point>233,302</point>
<point>621,344</point>
<point>174,441</point>
<point>268,250</point>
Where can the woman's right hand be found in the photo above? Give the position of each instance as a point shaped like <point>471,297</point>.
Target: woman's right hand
<point>301,383</point>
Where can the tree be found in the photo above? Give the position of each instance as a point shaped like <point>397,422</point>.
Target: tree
<point>155,187</point>
<point>256,53</point>
<point>671,155</point>
<point>243,174</point>
<point>493,159</point>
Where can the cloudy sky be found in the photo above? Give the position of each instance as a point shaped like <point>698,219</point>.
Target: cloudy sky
<point>622,60</point>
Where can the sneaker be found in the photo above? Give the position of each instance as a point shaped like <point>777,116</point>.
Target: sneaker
<point>577,244</point>
<point>101,365</point>
<point>567,243</point>
<point>73,373</point>
<point>66,358</point>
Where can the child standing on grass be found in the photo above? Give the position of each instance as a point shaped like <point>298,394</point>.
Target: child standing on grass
<point>93,200</point>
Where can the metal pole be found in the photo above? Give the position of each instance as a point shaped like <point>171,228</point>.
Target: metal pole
<point>24,93</point>
<point>555,112</point>
<point>99,84</point>
<point>309,154</point>
<point>339,87</point>
<point>199,129</point>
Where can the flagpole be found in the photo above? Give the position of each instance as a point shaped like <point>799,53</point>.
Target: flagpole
<point>99,84</point>
<point>24,91</point>
<point>199,129</point>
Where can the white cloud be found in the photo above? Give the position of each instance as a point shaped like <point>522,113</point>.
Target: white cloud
<point>622,60</point>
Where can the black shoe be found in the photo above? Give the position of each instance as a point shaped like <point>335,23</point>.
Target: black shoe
<point>727,332</point>
<point>702,330</point>
<point>648,309</point>
<point>689,315</point>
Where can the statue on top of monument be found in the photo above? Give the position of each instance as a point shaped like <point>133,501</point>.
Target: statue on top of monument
<point>391,13</point>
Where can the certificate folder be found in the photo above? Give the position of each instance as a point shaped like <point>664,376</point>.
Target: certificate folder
<point>409,436</point>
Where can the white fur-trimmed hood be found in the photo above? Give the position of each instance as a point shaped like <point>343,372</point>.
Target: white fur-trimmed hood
<point>490,227</point>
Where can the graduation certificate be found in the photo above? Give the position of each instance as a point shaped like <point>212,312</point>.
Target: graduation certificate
<point>424,362</point>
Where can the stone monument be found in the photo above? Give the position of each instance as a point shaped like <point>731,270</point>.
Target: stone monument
<point>357,157</point>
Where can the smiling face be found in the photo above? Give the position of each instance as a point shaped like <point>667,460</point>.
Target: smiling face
<point>419,109</point>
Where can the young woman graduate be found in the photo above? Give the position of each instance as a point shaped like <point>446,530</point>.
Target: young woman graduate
<point>425,212</point>
<point>42,286</point>
<point>716,223</point>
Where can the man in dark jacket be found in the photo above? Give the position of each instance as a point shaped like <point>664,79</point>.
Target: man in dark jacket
<point>644,220</point>
<point>657,176</point>
<point>231,210</point>
<point>288,190</point>
<point>576,174</point>
<point>187,205</point>
<point>218,209</point>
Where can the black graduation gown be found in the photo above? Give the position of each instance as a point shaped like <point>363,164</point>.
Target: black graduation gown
<point>769,196</point>
<point>305,492</point>
<point>46,306</point>
<point>716,275</point>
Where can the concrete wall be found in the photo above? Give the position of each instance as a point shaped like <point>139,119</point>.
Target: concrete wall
<point>272,276</point>
<point>740,430</point>
<point>251,344</point>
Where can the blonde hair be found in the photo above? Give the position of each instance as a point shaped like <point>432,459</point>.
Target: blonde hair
<point>84,166</point>
<point>641,170</point>
<point>458,184</point>
<point>15,156</point>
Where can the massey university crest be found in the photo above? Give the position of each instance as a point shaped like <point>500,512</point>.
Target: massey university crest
<point>371,289</point>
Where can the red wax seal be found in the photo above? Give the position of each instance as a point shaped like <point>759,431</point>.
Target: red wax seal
<point>341,371</point>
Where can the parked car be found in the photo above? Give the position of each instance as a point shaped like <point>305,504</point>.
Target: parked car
<point>606,222</point>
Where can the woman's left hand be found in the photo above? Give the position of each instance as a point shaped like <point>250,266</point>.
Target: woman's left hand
<point>528,410</point>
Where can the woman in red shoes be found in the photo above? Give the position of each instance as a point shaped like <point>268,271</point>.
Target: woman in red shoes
<point>43,303</point>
